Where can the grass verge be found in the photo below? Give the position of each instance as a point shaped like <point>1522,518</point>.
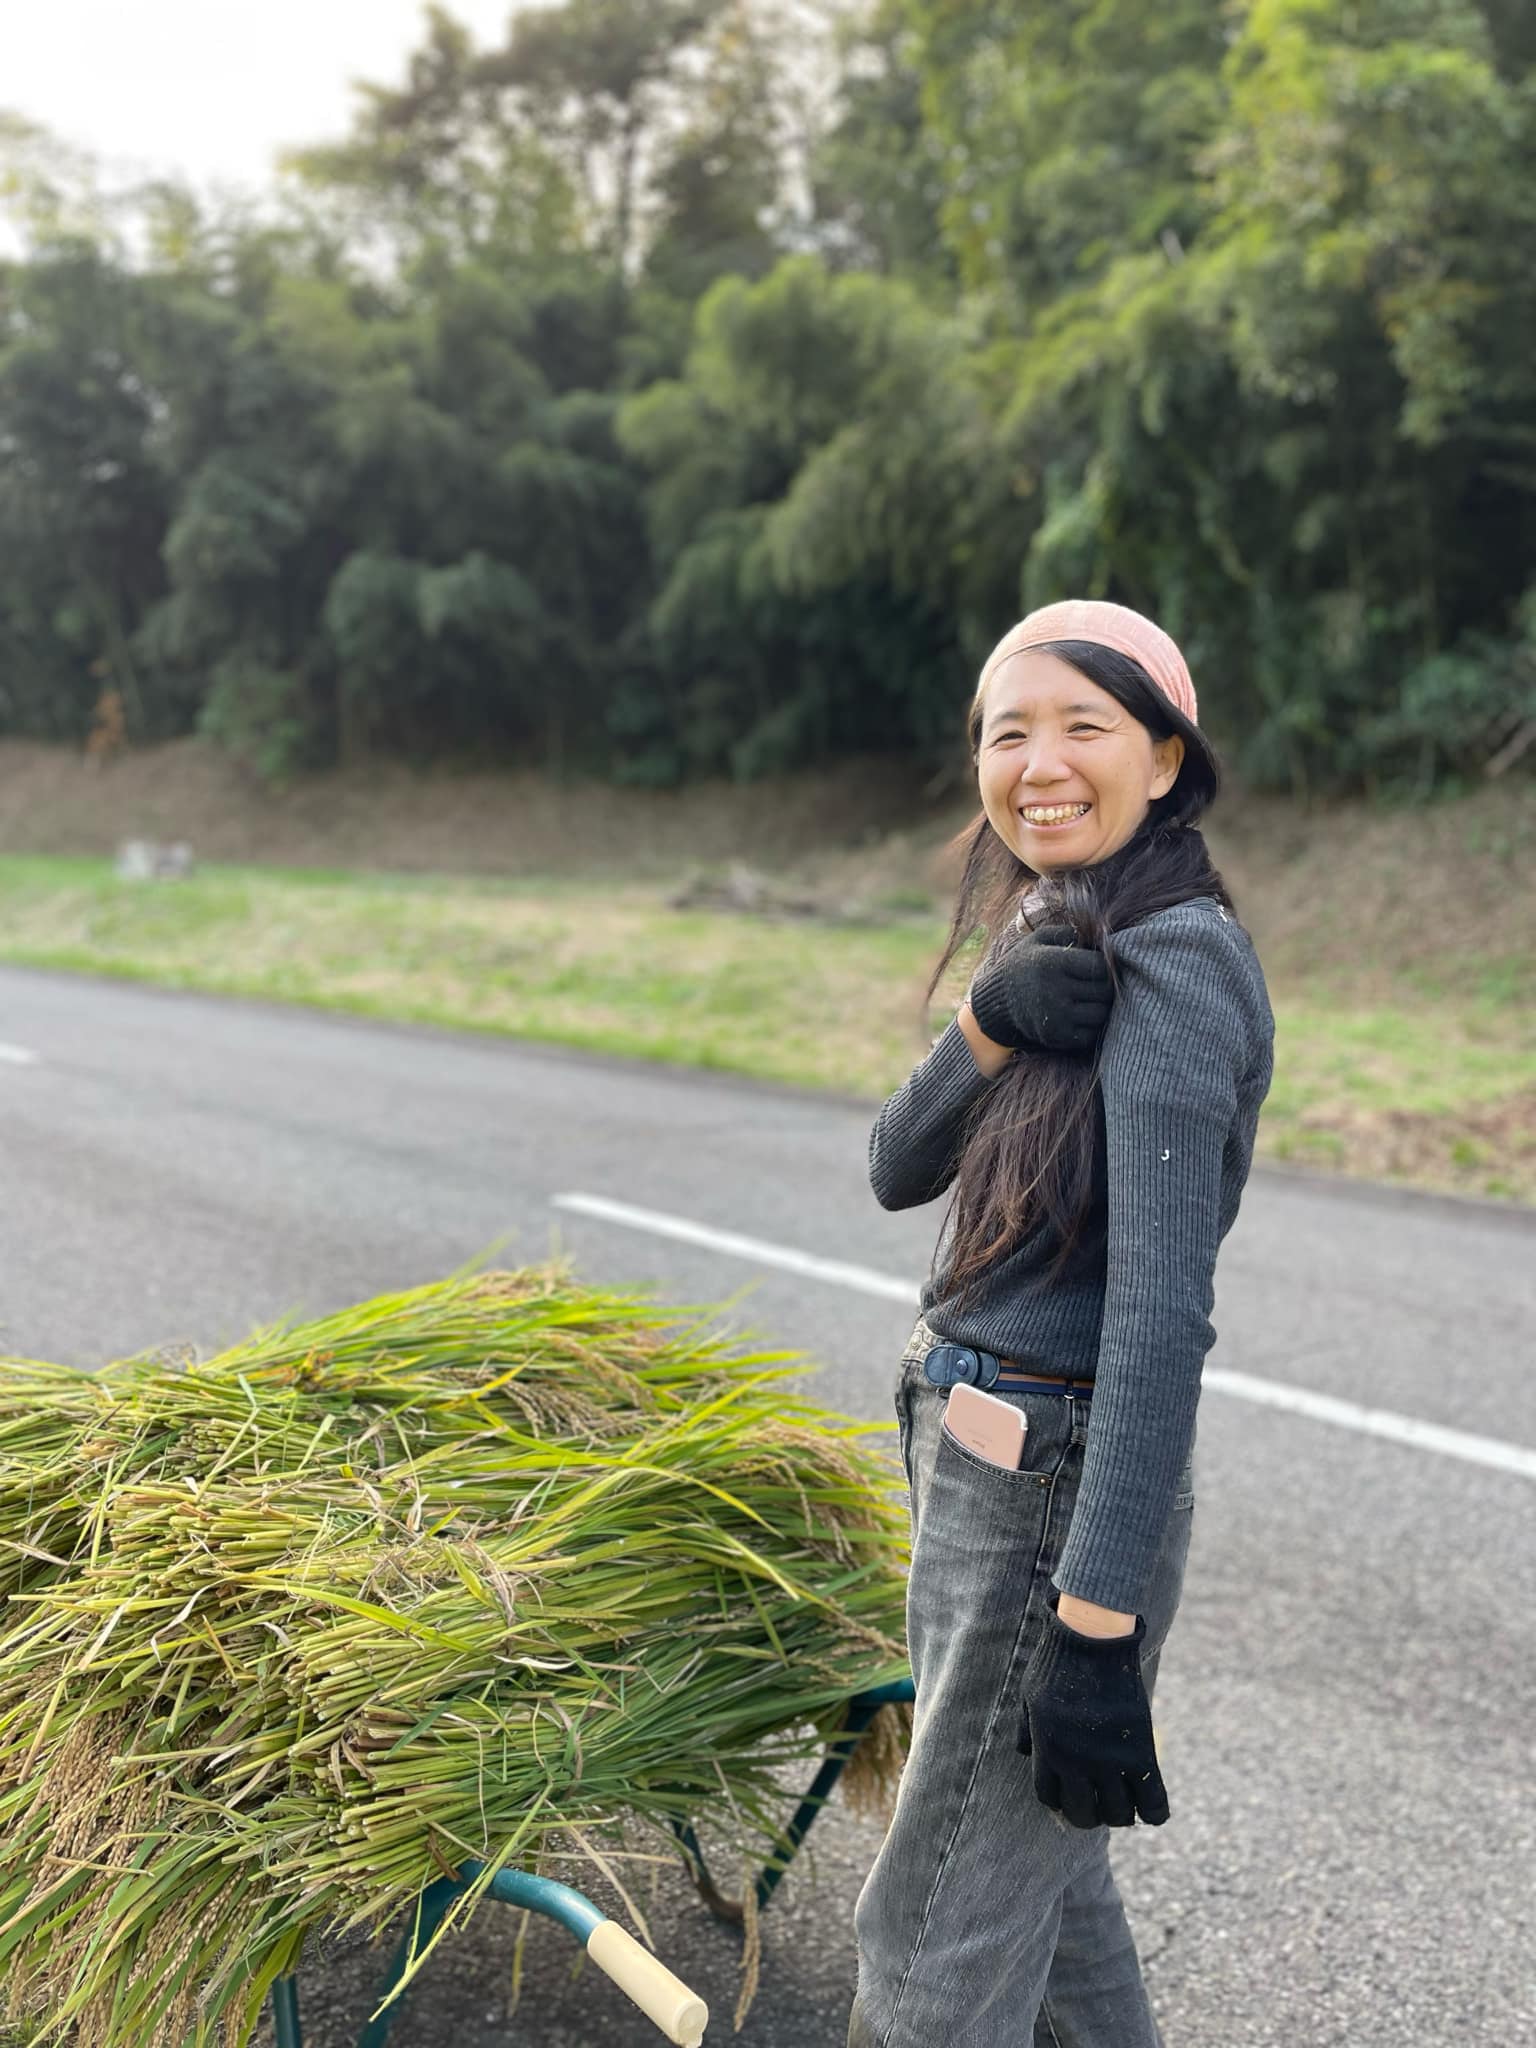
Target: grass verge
<point>1418,1074</point>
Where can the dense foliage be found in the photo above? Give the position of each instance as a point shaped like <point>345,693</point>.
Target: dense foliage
<point>702,386</point>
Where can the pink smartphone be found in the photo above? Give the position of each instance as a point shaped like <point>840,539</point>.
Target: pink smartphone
<point>993,1429</point>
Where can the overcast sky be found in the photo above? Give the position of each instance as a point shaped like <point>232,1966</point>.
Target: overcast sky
<point>206,88</point>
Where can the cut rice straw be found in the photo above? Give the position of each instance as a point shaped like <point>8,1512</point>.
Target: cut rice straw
<point>497,1568</point>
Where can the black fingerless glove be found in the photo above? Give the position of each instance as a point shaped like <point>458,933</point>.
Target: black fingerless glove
<point>1088,1724</point>
<point>1045,993</point>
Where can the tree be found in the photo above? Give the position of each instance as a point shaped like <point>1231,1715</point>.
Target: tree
<point>446,163</point>
<point>824,510</point>
<point>83,507</point>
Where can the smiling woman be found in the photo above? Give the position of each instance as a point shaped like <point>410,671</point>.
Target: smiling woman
<point>1083,717</point>
<point>1093,1108</point>
<point>1066,772</point>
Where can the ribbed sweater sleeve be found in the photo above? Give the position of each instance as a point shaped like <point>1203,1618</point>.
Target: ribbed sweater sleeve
<point>1185,1027</point>
<point>914,1147</point>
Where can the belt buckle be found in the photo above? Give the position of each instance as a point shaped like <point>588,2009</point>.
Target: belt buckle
<point>956,1365</point>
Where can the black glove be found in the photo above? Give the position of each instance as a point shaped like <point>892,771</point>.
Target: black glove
<point>1088,1724</point>
<point>1045,992</point>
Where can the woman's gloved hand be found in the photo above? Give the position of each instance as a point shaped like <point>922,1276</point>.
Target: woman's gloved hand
<point>1045,993</point>
<point>1088,1724</point>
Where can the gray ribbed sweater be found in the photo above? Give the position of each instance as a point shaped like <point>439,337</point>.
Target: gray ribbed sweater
<point>1185,1063</point>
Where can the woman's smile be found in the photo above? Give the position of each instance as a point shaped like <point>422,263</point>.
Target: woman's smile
<point>1053,817</point>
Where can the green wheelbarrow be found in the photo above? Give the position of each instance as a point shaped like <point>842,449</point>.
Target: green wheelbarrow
<point>679,2013</point>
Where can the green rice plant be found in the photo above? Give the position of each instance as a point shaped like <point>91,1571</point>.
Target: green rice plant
<point>497,1568</point>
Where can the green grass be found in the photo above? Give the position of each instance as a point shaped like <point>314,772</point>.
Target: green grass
<point>608,969</point>
<point>1431,1060</point>
<point>1395,1072</point>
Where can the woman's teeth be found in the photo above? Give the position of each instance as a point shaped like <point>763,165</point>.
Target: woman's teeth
<point>1054,814</point>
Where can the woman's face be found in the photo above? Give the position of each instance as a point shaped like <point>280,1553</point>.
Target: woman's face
<point>1050,738</point>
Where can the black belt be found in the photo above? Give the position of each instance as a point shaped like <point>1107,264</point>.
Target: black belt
<point>955,1365</point>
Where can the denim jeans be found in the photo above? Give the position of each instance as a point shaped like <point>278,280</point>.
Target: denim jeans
<point>987,1920</point>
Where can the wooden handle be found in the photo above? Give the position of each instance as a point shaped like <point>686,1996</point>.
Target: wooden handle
<point>680,2013</point>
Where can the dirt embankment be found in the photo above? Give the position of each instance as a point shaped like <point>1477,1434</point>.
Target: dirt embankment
<point>1348,889</point>
<point>54,800</point>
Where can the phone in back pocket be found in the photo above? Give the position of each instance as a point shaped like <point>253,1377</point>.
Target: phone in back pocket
<point>993,1429</point>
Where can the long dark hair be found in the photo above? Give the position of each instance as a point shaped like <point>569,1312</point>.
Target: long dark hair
<point>1027,1157</point>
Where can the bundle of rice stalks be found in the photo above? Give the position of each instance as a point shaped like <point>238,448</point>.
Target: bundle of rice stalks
<point>482,1570</point>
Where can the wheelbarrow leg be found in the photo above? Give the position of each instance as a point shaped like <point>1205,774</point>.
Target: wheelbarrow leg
<point>862,1709</point>
<point>430,1908</point>
<point>285,2013</point>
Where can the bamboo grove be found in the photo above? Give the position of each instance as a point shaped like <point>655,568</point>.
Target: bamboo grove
<point>696,388</point>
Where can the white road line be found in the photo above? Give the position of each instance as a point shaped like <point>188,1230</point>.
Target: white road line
<point>860,1278</point>
<point>1400,1429</point>
<point>1382,1422</point>
<point>18,1056</point>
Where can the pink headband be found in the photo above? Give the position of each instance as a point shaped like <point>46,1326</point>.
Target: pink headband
<point>1111,625</point>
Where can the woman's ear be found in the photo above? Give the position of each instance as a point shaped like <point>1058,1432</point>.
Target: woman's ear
<point>1168,757</point>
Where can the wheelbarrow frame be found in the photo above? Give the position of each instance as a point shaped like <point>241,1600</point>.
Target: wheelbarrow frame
<point>571,1908</point>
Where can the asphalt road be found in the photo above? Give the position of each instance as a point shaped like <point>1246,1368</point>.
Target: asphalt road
<point>1347,1702</point>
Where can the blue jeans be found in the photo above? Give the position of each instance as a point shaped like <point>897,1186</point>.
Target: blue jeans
<point>987,1920</point>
